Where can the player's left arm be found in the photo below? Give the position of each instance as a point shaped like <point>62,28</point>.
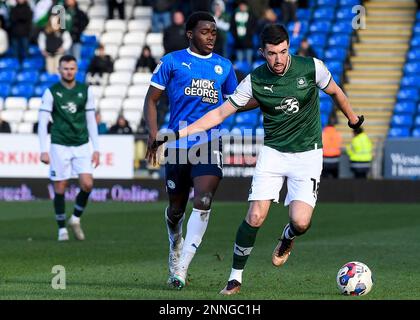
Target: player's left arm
<point>326,83</point>
<point>92,127</point>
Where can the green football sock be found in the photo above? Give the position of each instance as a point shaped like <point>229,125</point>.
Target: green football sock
<point>245,239</point>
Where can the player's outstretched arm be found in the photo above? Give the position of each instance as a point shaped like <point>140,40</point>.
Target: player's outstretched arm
<point>209,120</point>
<point>343,104</point>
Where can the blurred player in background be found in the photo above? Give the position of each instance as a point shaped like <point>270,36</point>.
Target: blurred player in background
<point>72,109</point>
<point>196,81</point>
<point>286,88</point>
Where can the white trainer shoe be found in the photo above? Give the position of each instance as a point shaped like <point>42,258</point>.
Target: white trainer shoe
<point>77,230</point>
<point>63,234</point>
<point>174,257</point>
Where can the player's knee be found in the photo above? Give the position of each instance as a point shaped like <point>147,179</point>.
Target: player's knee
<point>87,186</point>
<point>175,214</point>
<point>300,227</point>
<point>203,201</point>
<point>255,219</point>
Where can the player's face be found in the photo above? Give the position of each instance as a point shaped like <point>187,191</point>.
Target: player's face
<point>68,70</point>
<point>276,56</point>
<point>203,37</point>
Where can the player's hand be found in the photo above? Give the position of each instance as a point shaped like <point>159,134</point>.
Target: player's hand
<point>45,157</point>
<point>152,147</point>
<point>356,124</point>
<point>96,159</point>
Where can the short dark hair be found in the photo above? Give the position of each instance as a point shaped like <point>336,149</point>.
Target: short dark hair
<point>195,17</point>
<point>274,34</point>
<point>67,58</point>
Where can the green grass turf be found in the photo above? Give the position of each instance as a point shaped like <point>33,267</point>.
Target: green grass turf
<point>125,253</point>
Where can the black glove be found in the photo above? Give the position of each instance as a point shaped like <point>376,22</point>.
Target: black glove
<point>358,123</point>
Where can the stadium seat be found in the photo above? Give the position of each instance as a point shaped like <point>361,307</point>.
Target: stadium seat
<point>109,116</point>
<point>401,120</point>
<point>81,76</point>
<point>317,40</point>
<point>111,50</point>
<point>349,3</point>
<point>34,51</point>
<point>411,80</point>
<point>33,63</point>
<point>142,78</point>
<point>134,116</point>
<point>343,27</point>
<point>46,77</point>
<point>25,128</point>
<point>143,12</point>
<point>345,13</point>
<point>27,76</point>
<point>242,66</point>
<point>125,64</point>
<point>135,38</point>
<point>416,132</point>
<point>339,40</point>
<point>133,104</point>
<point>320,26</point>
<point>98,11</point>
<point>405,107</point>
<point>416,28</point>
<point>12,115</point>
<point>15,103</point>
<point>34,103</point>
<point>9,63</point>
<point>22,90</point>
<point>249,118</point>
<point>228,122</point>
<point>326,13</point>
<point>129,51</point>
<point>110,104</point>
<point>324,119</point>
<point>96,26</point>
<point>336,53</point>
<point>398,132</point>
<point>414,54</point>
<point>116,91</point>
<point>139,25</point>
<point>325,105</point>
<point>417,121</point>
<point>120,78</point>
<point>114,38</point>
<point>154,38</point>
<point>7,76</point>
<point>304,14</point>
<point>138,91</point>
<point>415,41</point>
<point>335,66</point>
<point>115,25</point>
<point>30,116</point>
<point>407,93</point>
<point>412,67</point>
<point>97,91</point>
<point>40,89</point>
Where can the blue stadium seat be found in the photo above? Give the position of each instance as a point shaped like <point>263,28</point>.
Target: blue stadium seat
<point>329,3</point>
<point>411,80</point>
<point>345,13</point>
<point>34,51</point>
<point>304,14</point>
<point>4,90</point>
<point>304,27</point>
<point>22,90</point>
<point>334,66</point>
<point>339,40</point>
<point>33,63</point>
<point>320,26</point>
<point>325,105</point>
<point>9,63</point>
<point>246,118</point>
<point>416,132</point>
<point>324,12</point>
<point>324,119</point>
<point>351,3</point>
<point>415,41</point>
<point>319,52</point>
<point>342,26</point>
<point>398,132</point>
<point>412,67</point>
<point>46,77</point>
<point>295,41</point>
<point>28,76</point>
<point>317,40</point>
<point>7,76</point>
<point>228,122</point>
<point>418,16</point>
<point>416,28</point>
<point>401,120</point>
<point>405,107</point>
<point>336,53</point>
<point>417,121</point>
<point>407,93</point>
<point>257,63</point>
<point>81,77</point>
<point>414,54</point>
<point>242,66</point>
<point>40,89</point>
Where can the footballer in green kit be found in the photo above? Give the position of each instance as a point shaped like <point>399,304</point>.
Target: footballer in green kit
<point>287,91</point>
<point>71,106</point>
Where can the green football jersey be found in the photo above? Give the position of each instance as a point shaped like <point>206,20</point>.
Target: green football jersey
<point>289,103</point>
<point>68,113</point>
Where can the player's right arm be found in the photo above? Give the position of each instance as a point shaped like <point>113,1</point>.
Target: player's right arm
<point>150,117</point>
<point>43,119</point>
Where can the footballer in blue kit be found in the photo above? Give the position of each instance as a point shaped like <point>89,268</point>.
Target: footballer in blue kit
<point>196,81</point>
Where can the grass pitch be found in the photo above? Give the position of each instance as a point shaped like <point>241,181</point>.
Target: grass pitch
<point>125,253</point>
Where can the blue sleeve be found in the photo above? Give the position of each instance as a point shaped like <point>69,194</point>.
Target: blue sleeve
<point>230,83</point>
<point>162,73</point>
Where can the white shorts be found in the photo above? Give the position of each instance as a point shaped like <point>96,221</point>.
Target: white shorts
<point>302,170</point>
<point>67,162</point>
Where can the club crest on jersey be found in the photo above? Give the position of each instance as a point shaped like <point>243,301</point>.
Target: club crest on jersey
<point>289,105</point>
<point>218,69</point>
<point>301,83</point>
<point>157,67</point>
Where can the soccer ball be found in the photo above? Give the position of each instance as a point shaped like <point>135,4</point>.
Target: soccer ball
<point>354,279</point>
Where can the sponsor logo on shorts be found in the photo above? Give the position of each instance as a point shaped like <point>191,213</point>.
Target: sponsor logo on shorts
<point>171,184</point>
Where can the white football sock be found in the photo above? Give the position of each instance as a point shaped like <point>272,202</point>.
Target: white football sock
<point>196,227</point>
<point>236,274</point>
<point>174,234</point>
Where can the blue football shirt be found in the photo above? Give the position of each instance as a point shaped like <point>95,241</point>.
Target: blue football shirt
<point>195,85</point>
